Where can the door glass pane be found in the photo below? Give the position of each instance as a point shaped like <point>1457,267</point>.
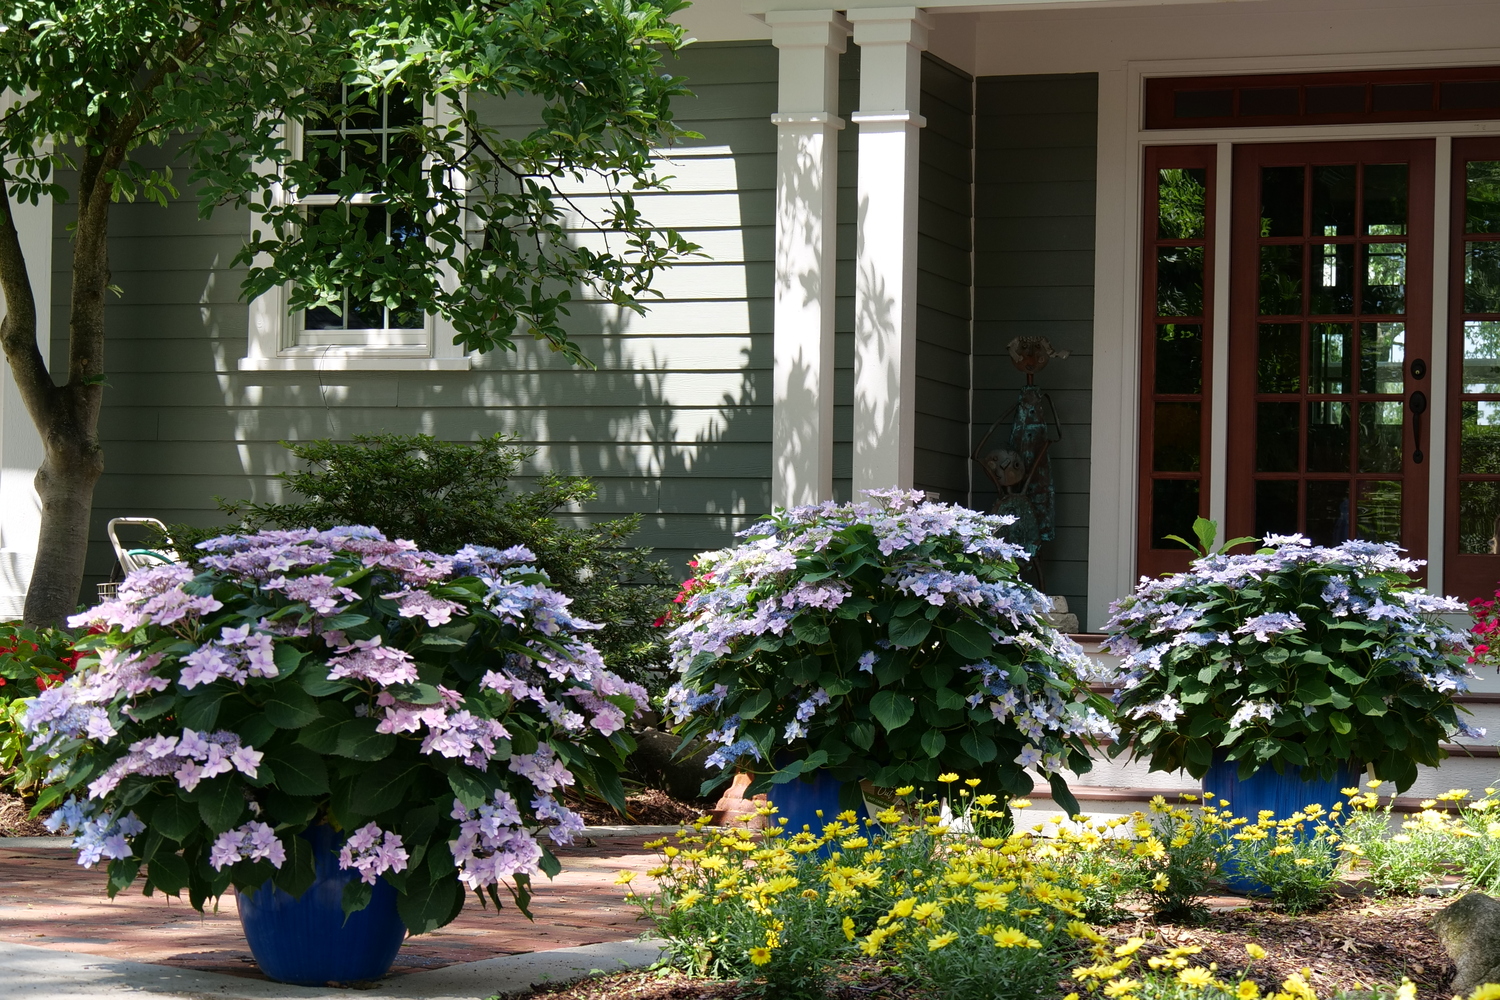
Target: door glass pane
<point>1333,279</point>
<point>1479,436</point>
<point>1385,278</point>
<point>1481,356</point>
<point>1377,511</point>
<point>1179,358</point>
<point>1281,201</point>
<point>1179,281</point>
<point>1327,436</point>
<point>1482,200</point>
<point>1281,280</point>
<point>1275,507</point>
<point>1276,437</point>
<point>1481,277</point>
<point>1382,357</point>
<point>1328,511</point>
<point>1177,437</point>
<point>1479,517</point>
<point>1380,441</point>
<point>1180,196</point>
<point>1332,344</point>
<point>1385,199</point>
<point>1333,200</point>
<point>1174,507</point>
<point>1279,360</point>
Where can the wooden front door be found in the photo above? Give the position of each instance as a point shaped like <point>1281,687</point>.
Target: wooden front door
<point>1329,338</point>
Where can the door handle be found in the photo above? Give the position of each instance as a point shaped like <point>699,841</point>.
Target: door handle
<point>1418,407</point>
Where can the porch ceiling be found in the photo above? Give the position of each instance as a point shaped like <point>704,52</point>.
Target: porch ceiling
<point>758,7</point>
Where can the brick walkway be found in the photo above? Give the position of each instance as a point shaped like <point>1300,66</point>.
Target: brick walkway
<point>47,900</point>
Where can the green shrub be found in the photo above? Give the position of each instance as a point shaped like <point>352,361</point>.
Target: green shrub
<point>444,495</point>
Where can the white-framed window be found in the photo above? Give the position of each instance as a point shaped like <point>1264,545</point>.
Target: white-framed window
<point>361,334</point>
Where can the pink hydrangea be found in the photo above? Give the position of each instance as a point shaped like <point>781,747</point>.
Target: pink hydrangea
<point>371,660</point>
<point>372,852</point>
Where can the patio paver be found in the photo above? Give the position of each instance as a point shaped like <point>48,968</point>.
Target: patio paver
<point>47,901</point>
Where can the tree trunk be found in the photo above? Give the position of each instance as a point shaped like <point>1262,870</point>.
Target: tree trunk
<point>72,466</point>
<point>67,416</point>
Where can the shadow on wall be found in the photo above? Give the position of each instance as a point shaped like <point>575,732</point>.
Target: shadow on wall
<point>675,423</point>
<point>875,392</point>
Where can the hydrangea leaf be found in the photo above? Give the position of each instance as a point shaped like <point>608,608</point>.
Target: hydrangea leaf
<point>424,907</point>
<point>167,872</point>
<point>290,707</point>
<point>300,771</point>
<point>221,803</point>
<point>892,709</point>
<point>174,818</point>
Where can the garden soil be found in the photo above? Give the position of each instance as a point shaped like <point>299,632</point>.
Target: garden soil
<point>648,807</point>
<point>1354,943</point>
<point>14,818</point>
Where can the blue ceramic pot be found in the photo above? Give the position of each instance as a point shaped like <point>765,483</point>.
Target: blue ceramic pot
<point>799,801</point>
<point>306,941</point>
<point>1283,794</point>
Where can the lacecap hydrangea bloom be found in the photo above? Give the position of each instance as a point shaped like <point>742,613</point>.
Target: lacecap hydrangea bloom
<point>432,707</point>
<point>1296,654</point>
<point>890,639</point>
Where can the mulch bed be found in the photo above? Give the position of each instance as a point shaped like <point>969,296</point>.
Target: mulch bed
<point>14,818</point>
<point>1353,943</point>
<point>648,807</point>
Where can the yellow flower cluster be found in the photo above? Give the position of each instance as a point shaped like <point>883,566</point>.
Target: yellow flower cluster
<point>956,889</point>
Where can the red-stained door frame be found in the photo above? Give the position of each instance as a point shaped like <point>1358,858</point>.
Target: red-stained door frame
<point>1470,575</point>
<point>1162,559</point>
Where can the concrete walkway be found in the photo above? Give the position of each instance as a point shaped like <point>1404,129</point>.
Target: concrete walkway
<point>31,973</point>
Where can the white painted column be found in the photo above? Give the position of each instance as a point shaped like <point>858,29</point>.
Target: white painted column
<point>891,41</point>
<point>20,445</point>
<point>807,125</point>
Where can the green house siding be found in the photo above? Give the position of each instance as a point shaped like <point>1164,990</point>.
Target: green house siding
<point>676,421</point>
<point>674,424</point>
<point>1034,276</point>
<point>945,245</point>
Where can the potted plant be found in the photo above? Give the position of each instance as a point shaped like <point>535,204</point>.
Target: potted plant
<point>1276,676</point>
<point>351,732</point>
<point>890,640</point>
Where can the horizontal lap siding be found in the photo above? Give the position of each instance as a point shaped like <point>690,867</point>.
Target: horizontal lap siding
<point>675,424</point>
<point>945,245</point>
<point>1034,276</point>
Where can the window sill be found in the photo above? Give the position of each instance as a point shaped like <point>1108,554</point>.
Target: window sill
<point>336,363</point>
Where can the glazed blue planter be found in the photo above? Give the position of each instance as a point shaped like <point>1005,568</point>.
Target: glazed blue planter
<point>306,941</point>
<point>799,801</point>
<point>1283,794</point>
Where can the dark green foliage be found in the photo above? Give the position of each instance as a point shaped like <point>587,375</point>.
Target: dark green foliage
<point>444,495</point>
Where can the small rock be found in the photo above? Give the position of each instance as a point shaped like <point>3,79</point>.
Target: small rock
<point>1470,931</point>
